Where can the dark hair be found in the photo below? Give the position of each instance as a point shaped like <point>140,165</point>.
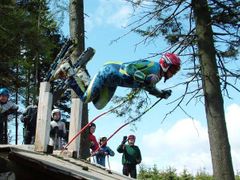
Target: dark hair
<point>103,139</point>
<point>92,124</point>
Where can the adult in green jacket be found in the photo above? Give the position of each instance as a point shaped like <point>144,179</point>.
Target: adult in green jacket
<point>131,156</point>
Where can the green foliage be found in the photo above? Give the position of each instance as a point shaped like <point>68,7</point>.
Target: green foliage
<point>203,175</point>
<point>170,174</point>
<point>237,177</point>
<point>185,175</point>
<point>30,40</point>
<point>135,105</point>
<point>151,173</point>
<point>175,22</point>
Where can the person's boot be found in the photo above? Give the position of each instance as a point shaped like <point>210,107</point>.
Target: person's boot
<point>84,76</point>
<point>64,71</point>
<point>49,149</point>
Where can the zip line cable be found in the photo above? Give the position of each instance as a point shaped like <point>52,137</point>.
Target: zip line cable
<point>115,132</point>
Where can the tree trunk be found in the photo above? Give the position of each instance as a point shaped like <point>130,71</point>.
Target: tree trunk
<point>16,118</point>
<point>218,137</point>
<point>77,34</point>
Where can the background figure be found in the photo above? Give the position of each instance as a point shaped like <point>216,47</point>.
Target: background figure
<point>29,118</point>
<point>57,131</point>
<point>92,139</point>
<point>131,156</point>
<point>6,107</point>
<point>103,152</point>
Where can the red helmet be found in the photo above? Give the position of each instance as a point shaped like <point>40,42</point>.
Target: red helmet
<point>131,137</point>
<point>170,62</point>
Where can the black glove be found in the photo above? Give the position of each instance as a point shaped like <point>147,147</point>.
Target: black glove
<point>124,140</point>
<point>158,93</point>
<point>10,111</point>
<point>165,94</point>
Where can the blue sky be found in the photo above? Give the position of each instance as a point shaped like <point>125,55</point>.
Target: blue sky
<point>178,141</point>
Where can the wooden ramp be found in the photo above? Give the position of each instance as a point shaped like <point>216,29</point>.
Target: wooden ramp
<point>27,164</point>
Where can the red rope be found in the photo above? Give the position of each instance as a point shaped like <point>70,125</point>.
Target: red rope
<point>115,132</point>
<point>88,124</point>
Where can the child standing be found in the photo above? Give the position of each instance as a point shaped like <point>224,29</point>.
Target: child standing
<point>58,130</point>
<point>6,107</point>
<point>92,139</point>
<point>103,151</point>
<point>131,156</point>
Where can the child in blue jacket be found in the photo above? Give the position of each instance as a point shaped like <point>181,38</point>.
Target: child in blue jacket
<point>103,151</point>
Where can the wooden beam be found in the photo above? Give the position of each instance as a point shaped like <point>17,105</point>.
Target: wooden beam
<point>43,117</point>
<point>75,126</point>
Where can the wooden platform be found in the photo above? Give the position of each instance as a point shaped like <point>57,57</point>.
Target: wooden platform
<point>27,164</point>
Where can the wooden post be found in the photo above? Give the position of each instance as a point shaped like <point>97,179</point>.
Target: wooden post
<point>77,33</point>
<point>43,117</point>
<point>75,126</point>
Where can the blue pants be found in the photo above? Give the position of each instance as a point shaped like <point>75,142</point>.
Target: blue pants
<point>103,85</point>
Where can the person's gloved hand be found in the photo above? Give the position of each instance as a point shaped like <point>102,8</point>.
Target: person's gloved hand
<point>151,79</point>
<point>10,111</point>
<point>165,94</point>
<point>124,140</point>
<point>161,94</point>
<point>138,161</point>
<point>101,153</point>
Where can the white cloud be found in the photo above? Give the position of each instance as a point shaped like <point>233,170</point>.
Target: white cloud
<point>114,13</point>
<point>185,145</point>
<point>233,126</point>
<point>120,18</point>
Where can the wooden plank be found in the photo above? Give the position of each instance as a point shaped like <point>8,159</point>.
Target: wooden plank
<point>75,125</point>
<point>43,117</point>
<point>57,166</point>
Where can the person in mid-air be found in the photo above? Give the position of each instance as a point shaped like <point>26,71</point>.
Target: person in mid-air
<point>143,74</point>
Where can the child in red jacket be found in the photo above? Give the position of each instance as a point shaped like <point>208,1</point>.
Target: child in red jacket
<point>93,141</point>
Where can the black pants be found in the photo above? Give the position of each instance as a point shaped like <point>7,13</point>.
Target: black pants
<point>28,136</point>
<point>130,169</point>
<point>3,131</point>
